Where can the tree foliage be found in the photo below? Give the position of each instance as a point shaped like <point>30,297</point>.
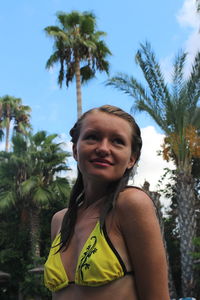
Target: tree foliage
<point>12,110</point>
<point>79,49</point>
<point>30,181</point>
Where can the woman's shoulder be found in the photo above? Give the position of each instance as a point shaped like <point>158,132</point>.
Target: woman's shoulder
<point>134,200</point>
<point>56,222</point>
<point>136,213</point>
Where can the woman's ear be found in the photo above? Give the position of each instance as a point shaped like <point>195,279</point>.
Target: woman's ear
<point>131,162</point>
<point>74,148</point>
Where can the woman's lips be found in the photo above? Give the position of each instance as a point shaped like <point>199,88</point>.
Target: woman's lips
<point>101,162</point>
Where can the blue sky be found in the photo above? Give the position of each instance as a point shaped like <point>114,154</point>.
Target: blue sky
<point>168,25</point>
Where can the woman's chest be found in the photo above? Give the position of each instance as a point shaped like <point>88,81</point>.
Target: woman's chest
<point>82,232</point>
<point>95,251</point>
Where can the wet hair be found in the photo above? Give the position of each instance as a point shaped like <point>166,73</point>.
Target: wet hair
<point>77,193</point>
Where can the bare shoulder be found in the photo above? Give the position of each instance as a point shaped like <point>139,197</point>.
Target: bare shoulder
<point>135,210</point>
<point>56,222</point>
<point>134,200</point>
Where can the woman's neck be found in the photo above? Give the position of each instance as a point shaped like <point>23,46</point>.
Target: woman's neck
<point>95,193</point>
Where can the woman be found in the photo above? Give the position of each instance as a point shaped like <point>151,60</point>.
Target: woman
<point>108,243</point>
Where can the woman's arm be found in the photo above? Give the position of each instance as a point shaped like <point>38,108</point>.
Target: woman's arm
<point>56,222</point>
<point>141,231</point>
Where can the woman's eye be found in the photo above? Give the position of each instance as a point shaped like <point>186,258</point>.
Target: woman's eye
<point>91,137</point>
<point>118,141</point>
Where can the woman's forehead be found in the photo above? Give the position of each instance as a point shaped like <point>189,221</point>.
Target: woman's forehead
<point>106,121</point>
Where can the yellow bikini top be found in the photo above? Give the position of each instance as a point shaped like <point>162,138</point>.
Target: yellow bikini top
<point>98,263</point>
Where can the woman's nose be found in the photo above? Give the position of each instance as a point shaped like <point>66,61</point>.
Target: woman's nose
<point>103,148</point>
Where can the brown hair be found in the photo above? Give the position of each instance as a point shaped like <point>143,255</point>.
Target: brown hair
<point>76,196</point>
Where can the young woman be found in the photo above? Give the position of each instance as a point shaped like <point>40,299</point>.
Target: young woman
<point>108,242</point>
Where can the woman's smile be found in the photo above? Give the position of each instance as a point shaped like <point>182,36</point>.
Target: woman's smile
<point>101,162</point>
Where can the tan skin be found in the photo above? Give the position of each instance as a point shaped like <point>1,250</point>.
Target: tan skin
<point>103,153</point>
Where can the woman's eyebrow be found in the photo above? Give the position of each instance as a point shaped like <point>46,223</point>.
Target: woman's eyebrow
<point>120,135</point>
<point>91,130</point>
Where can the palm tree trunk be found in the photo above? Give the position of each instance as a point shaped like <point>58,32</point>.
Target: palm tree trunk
<point>34,232</point>
<point>187,229</point>
<point>78,88</point>
<point>156,199</point>
<point>20,295</point>
<point>7,133</point>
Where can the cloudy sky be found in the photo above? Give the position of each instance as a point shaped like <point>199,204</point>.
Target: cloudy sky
<point>168,25</point>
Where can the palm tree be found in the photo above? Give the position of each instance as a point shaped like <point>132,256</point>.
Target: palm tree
<point>29,178</point>
<point>198,5</point>
<point>175,109</point>
<point>79,49</point>
<point>11,109</point>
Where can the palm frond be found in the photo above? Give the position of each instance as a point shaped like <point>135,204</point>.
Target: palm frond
<point>193,83</point>
<point>195,121</point>
<point>88,24</point>
<point>19,144</point>
<point>145,57</point>
<point>123,82</point>
<point>29,185</point>
<point>53,59</point>
<point>142,98</point>
<point>49,139</point>
<point>69,21</point>
<point>70,72</point>
<point>55,32</point>
<point>41,195</point>
<point>39,137</point>
<point>61,186</point>
<point>7,198</point>
<point>86,73</point>
<point>178,75</point>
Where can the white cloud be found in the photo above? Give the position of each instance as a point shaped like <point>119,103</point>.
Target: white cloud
<point>151,166</point>
<point>188,17</point>
<point>2,146</point>
<point>192,44</point>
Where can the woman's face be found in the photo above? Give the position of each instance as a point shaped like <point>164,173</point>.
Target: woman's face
<point>103,150</point>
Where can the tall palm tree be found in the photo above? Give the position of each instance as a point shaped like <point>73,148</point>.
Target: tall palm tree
<point>12,109</point>
<point>79,49</point>
<point>29,178</point>
<point>175,109</point>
